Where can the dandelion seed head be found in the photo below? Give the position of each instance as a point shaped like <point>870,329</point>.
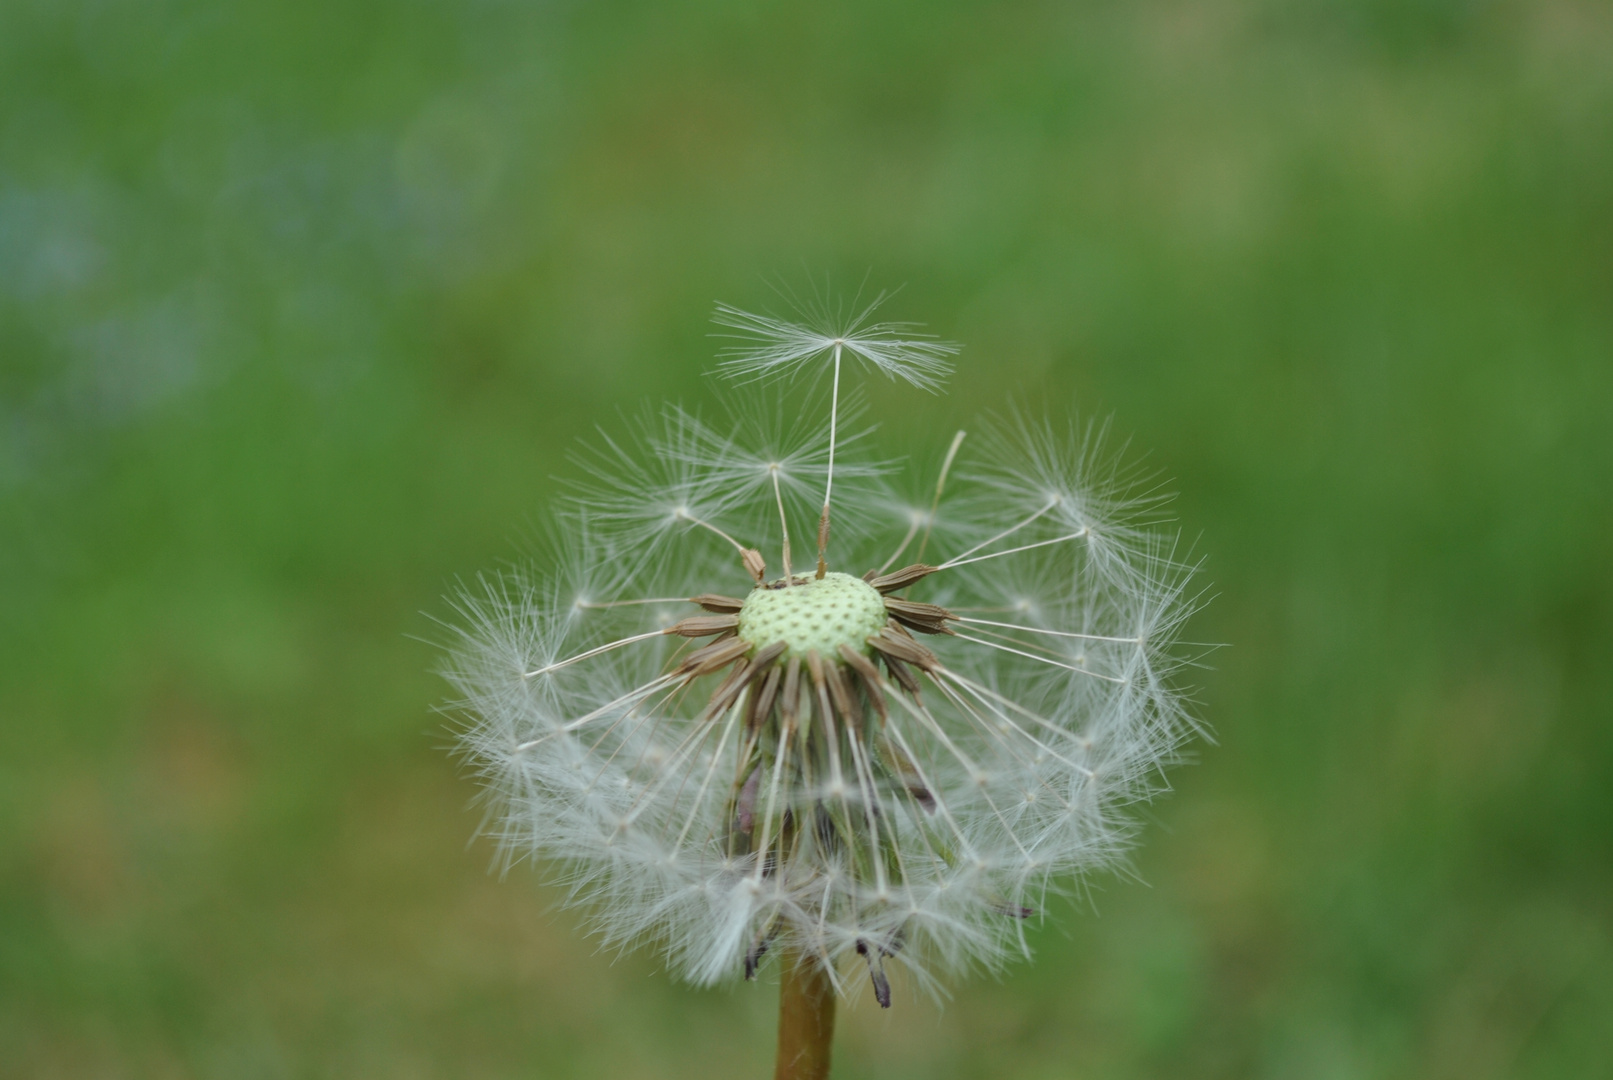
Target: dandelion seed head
<point>896,754</point>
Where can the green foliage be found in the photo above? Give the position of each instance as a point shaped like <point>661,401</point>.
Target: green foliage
<point>302,303</point>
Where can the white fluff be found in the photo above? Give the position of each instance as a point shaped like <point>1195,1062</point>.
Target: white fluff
<point>1056,707</point>
<point>769,346</point>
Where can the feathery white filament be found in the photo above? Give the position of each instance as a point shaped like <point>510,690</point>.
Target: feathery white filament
<point>769,346</point>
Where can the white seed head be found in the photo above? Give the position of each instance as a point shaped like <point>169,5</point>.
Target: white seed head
<point>857,764</point>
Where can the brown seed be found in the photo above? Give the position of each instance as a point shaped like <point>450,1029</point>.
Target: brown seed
<point>768,655</point>
<point>876,973</point>
<point>729,689</point>
<point>745,806</point>
<point>902,674</point>
<point>814,664</point>
<point>901,579</point>
<point>845,704</point>
<point>790,702</point>
<point>925,618</point>
<point>713,657</point>
<point>722,605</point>
<point>765,658</point>
<point>762,703</point>
<point>869,674</point>
<point>820,684</point>
<point>703,625</point>
<point>823,541</point>
<point>745,672</point>
<point>905,649</point>
<point>759,946</point>
<point>1013,911</point>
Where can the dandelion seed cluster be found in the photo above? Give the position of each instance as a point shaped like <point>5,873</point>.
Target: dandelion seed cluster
<point>880,757</point>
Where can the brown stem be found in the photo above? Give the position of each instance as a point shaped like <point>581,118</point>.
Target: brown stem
<point>806,1019</point>
<point>823,541</point>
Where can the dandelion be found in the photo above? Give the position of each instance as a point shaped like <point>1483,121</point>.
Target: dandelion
<point>891,758</point>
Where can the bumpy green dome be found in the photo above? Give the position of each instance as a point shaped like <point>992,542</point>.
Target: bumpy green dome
<point>820,614</point>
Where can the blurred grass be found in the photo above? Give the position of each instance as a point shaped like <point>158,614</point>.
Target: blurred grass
<point>301,305</point>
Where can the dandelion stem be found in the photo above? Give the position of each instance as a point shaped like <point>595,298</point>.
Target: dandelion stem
<point>806,1019</point>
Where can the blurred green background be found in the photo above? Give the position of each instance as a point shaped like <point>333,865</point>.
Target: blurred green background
<point>302,304</point>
